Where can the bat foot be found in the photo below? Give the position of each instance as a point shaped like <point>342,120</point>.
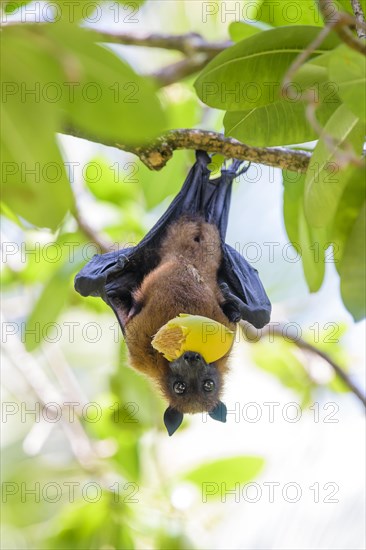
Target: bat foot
<point>230,307</point>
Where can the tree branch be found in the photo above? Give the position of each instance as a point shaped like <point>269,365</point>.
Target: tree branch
<point>91,234</point>
<point>301,59</point>
<point>188,44</point>
<point>198,52</point>
<point>304,345</point>
<point>341,21</point>
<point>156,154</point>
<point>360,18</point>
<point>46,393</point>
<point>182,69</point>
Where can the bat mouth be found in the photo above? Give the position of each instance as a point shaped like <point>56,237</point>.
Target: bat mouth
<point>192,384</point>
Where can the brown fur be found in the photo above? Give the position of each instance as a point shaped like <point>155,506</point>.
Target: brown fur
<point>185,281</point>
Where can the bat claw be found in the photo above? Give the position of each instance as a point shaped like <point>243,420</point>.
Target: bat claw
<point>231,312</point>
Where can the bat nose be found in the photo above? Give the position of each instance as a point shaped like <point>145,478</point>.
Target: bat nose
<point>192,358</point>
<point>188,363</point>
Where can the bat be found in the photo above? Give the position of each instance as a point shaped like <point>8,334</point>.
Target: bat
<point>182,265</point>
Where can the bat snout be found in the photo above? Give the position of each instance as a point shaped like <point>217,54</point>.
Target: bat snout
<point>188,363</point>
<point>193,359</point>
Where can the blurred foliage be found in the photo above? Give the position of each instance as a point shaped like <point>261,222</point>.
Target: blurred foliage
<point>279,358</point>
<point>278,355</point>
<point>46,245</point>
<point>69,78</point>
<point>239,30</point>
<point>228,471</point>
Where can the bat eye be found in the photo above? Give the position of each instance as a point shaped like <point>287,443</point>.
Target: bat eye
<point>208,385</point>
<point>179,387</point>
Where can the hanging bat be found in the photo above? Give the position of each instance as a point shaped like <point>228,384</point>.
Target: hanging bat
<point>183,265</point>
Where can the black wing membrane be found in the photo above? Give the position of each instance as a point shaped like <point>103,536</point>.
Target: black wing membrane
<point>114,276</point>
<point>242,287</point>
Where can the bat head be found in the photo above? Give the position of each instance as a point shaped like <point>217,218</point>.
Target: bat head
<point>192,385</point>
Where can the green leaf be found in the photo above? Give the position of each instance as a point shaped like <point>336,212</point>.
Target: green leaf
<point>239,469</point>
<point>11,7</point>
<point>120,420</point>
<point>347,68</point>
<point>35,185</point>
<point>279,14</point>
<point>131,229</point>
<point>325,178</point>
<point>322,60</point>
<point>52,299</point>
<point>284,121</point>
<point>55,72</point>
<point>343,5</point>
<point>8,213</point>
<point>131,3</point>
<point>173,541</point>
<point>293,184</point>
<point>215,165</point>
<point>238,30</point>
<point>108,99</point>
<point>74,12</point>
<point>310,242</point>
<point>95,524</point>
<point>20,469</point>
<point>111,182</point>
<point>181,105</point>
<point>313,246</point>
<point>348,210</point>
<point>46,310</point>
<point>352,269</point>
<point>130,386</point>
<point>249,73</point>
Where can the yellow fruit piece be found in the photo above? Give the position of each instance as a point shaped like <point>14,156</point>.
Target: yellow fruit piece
<point>193,333</point>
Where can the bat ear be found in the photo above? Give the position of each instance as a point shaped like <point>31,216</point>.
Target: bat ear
<point>219,412</point>
<point>172,420</point>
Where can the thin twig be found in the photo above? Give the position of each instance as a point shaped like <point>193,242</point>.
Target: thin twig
<point>198,52</point>
<point>344,153</point>
<point>280,331</point>
<point>360,18</point>
<point>48,395</point>
<point>89,232</point>
<point>341,21</point>
<point>188,44</point>
<point>302,344</point>
<point>300,60</point>
<point>64,374</point>
<point>181,69</point>
<point>156,154</point>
